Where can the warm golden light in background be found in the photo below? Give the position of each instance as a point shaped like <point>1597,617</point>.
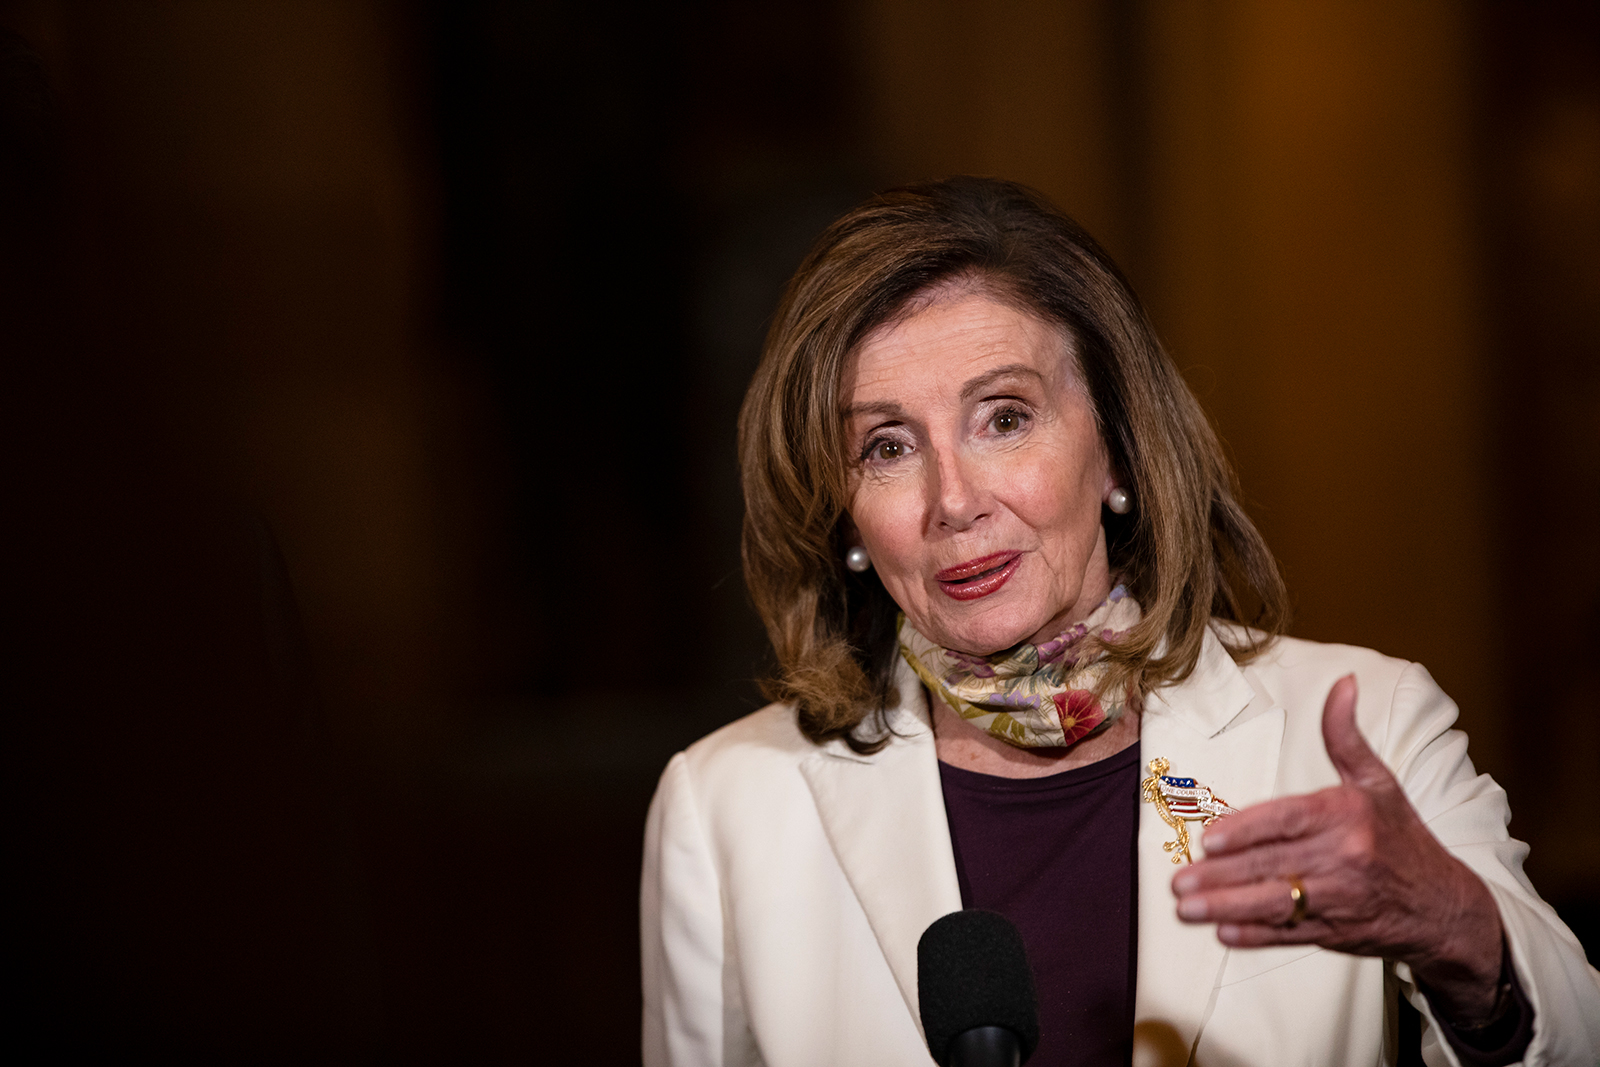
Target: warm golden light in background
<point>462,299</point>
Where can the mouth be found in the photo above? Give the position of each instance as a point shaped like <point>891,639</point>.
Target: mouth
<point>978,577</point>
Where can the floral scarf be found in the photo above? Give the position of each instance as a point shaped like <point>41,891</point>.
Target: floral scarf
<point>1032,696</point>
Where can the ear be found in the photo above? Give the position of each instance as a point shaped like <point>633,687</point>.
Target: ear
<point>848,534</point>
<point>1110,476</point>
<point>1112,480</point>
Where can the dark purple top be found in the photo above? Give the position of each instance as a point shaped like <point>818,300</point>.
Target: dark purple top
<point>1057,856</point>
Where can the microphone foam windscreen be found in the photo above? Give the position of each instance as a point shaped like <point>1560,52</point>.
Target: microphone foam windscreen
<point>972,970</point>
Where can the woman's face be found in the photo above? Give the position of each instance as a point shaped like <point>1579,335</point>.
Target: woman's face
<point>980,473</point>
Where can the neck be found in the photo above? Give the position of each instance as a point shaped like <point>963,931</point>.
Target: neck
<point>961,744</point>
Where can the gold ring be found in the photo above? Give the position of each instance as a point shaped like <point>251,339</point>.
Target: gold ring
<point>1297,901</point>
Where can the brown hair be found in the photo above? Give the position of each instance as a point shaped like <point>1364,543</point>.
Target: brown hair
<point>1187,552</point>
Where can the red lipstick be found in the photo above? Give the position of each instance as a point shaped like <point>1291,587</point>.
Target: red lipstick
<point>978,577</point>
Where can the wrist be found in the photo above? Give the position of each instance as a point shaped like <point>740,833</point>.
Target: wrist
<point>1502,1004</point>
<point>1504,1037</point>
<point>1468,980</point>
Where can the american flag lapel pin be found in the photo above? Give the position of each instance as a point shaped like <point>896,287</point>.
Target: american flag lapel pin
<point>1181,801</point>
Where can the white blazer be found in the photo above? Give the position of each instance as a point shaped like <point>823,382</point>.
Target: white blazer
<point>786,884</point>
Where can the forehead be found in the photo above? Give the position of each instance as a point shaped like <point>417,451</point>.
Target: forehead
<point>950,337</point>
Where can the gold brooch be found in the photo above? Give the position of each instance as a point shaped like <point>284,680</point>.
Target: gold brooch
<point>1181,801</point>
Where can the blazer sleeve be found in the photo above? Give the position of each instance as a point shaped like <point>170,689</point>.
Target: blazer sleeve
<point>687,1017</point>
<point>1468,813</point>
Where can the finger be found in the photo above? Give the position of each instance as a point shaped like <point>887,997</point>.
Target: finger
<point>1274,820</point>
<point>1262,863</point>
<point>1256,902</point>
<point>1352,757</point>
<point>1260,935</point>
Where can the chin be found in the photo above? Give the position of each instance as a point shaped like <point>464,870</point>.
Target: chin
<point>986,637</point>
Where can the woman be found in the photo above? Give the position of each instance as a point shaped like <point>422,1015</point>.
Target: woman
<point>1026,643</point>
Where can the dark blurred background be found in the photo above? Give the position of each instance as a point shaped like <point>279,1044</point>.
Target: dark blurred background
<point>369,383</point>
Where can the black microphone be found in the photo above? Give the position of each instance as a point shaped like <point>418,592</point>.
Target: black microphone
<point>975,991</point>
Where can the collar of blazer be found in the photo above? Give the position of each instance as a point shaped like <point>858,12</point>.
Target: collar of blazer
<point>884,818</point>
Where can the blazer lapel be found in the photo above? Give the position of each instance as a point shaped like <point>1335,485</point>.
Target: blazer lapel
<point>1215,728</point>
<point>884,817</point>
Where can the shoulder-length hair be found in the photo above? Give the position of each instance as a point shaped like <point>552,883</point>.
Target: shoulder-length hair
<point>1187,552</point>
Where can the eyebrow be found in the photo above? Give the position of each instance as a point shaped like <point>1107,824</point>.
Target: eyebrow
<point>877,407</point>
<point>977,385</point>
<point>973,387</point>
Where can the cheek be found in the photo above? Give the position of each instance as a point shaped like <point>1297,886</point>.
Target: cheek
<point>1054,497</point>
<point>888,518</point>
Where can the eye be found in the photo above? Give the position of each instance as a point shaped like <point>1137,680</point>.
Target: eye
<point>1007,421</point>
<point>887,445</point>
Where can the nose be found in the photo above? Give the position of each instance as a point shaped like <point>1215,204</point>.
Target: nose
<point>958,496</point>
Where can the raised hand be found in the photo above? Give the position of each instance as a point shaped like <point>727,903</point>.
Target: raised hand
<point>1372,880</point>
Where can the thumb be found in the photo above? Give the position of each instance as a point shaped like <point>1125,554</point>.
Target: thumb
<point>1352,758</point>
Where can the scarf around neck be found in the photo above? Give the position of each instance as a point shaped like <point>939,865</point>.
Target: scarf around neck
<point>1031,696</point>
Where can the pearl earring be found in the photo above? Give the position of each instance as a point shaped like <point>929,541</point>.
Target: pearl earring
<point>1120,501</point>
<point>857,559</point>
